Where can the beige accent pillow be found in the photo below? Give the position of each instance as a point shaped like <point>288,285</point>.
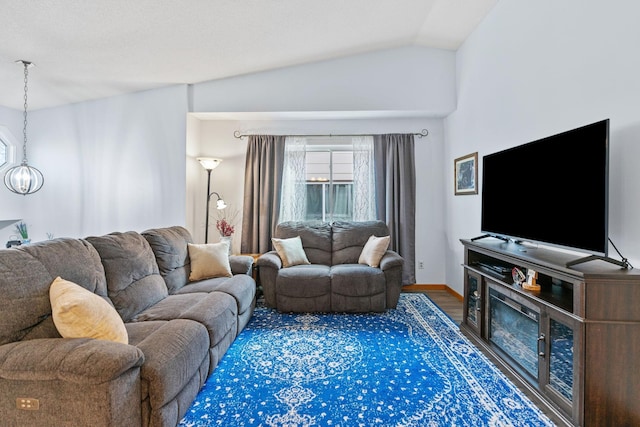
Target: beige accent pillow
<point>209,260</point>
<point>290,251</point>
<point>79,313</point>
<point>373,251</point>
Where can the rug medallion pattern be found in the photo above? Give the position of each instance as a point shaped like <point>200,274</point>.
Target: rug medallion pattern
<point>406,367</point>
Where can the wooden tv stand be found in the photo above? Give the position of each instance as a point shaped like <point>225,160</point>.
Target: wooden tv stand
<point>578,337</point>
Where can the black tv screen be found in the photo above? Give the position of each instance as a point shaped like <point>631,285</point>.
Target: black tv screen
<point>551,191</point>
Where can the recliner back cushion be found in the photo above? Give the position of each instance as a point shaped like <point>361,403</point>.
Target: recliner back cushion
<point>315,236</point>
<point>134,282</point>
<point>350,237</point>
<point>26,274</point>
<point>170,246</point>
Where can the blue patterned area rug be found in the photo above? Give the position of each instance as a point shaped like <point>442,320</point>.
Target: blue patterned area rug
<point>406,367</point>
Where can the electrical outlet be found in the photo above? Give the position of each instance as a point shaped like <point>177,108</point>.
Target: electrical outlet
<point>27,403</point>
<point>420,265</point>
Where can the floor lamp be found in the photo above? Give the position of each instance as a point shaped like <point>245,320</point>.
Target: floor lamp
<point>209,164</point>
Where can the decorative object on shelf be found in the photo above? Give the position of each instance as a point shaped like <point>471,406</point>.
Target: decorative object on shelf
<point>465,179</point>
<point>228,240</point>
<point>24,179</point>
<point>21,229</point>
<point>225,226</point>
<point>518,276</point>
<point>209,164</point>
<point>530,284</point>
<point>12,243</point>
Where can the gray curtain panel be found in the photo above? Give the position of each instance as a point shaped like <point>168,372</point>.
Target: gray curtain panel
<point>396,195</point>
<point>262,187</point>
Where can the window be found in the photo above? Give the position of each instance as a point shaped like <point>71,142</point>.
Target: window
<point>319,184</point>
<point>4,154</point>
<point>7,148</point>
<point>329,182</point>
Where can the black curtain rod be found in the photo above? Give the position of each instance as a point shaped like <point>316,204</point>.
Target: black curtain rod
<point>420,134</point>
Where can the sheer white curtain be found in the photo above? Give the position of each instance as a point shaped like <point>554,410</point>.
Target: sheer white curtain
<point>293,204</point>
<point>364,191</point>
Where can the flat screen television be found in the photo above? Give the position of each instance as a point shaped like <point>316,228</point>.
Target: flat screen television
<point>551,191</point>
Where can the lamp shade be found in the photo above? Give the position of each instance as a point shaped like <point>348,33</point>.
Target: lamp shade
<point>209,163</point>
<point>23,179</point>
<point>221,204</point>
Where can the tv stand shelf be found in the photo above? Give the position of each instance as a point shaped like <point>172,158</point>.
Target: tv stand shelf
<point>579,335</point>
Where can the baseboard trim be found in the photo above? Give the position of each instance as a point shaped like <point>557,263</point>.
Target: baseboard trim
<point>416,287</point>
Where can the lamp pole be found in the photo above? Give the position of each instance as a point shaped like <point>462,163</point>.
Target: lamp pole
<point>209,164</point>
<point>206,221</point>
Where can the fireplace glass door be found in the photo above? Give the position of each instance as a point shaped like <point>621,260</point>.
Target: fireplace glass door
<point>514,328</point>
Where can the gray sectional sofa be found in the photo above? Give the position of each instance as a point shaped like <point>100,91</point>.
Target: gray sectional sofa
<point>334,281</point>
<point>177,330</point>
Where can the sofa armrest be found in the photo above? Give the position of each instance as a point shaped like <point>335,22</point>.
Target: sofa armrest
<point>390,260</point>
<point>241,264</point>
<point>269,265</point>
<point>270,260</point>
<point>391,264</point>
<point>78,360</point>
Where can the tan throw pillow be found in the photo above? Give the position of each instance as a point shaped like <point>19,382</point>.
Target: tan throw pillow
<point>290,251</point>
<point>79,313</point>
<point>209,260</point>
<point>373,250</point>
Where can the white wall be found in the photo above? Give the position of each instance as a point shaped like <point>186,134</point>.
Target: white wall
<point>403,79</point>
<point>533,69</point>
<point>217,140</point>
<point>115,164</point>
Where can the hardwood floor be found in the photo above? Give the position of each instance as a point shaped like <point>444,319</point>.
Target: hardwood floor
<point>447,302</point>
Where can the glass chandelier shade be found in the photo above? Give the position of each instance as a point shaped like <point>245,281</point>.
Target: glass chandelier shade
<point>24,179</point>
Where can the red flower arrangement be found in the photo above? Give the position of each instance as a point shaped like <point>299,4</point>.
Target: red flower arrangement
<point>224,227</point>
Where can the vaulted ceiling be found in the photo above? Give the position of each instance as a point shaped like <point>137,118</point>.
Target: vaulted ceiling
<point>89,49</point>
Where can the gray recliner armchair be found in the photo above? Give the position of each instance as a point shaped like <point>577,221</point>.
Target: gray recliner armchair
<point>334,281</point>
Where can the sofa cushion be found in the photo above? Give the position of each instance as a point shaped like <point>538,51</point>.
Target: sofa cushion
<point>357,280</point>
<point>357,288</point>
<point>240,286</point>
<point>26,273</point>
<point>176,354</point>
<point>304,280</point>
<point>349,238</point>
<point>304,288</point>
<point>217,311</point>
<point>170,248</point>
<point>133,279</point>
<point>373,251</point>
<point>79,313</point>
<point>209,260</point>
<point>290,251</point>
<point>315,236</point>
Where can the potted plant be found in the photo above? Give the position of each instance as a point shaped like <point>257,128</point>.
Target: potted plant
<point>22,230</point>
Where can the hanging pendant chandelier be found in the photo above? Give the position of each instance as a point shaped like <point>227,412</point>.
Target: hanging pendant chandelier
<point>24,179</point>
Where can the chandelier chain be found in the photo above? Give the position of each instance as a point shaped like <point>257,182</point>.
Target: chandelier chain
<point>24,131</point>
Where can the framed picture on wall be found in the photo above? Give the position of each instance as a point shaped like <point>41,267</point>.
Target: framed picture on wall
<point>465,170</point>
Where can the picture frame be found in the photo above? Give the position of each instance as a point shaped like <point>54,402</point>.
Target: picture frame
<point>465,170</point>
